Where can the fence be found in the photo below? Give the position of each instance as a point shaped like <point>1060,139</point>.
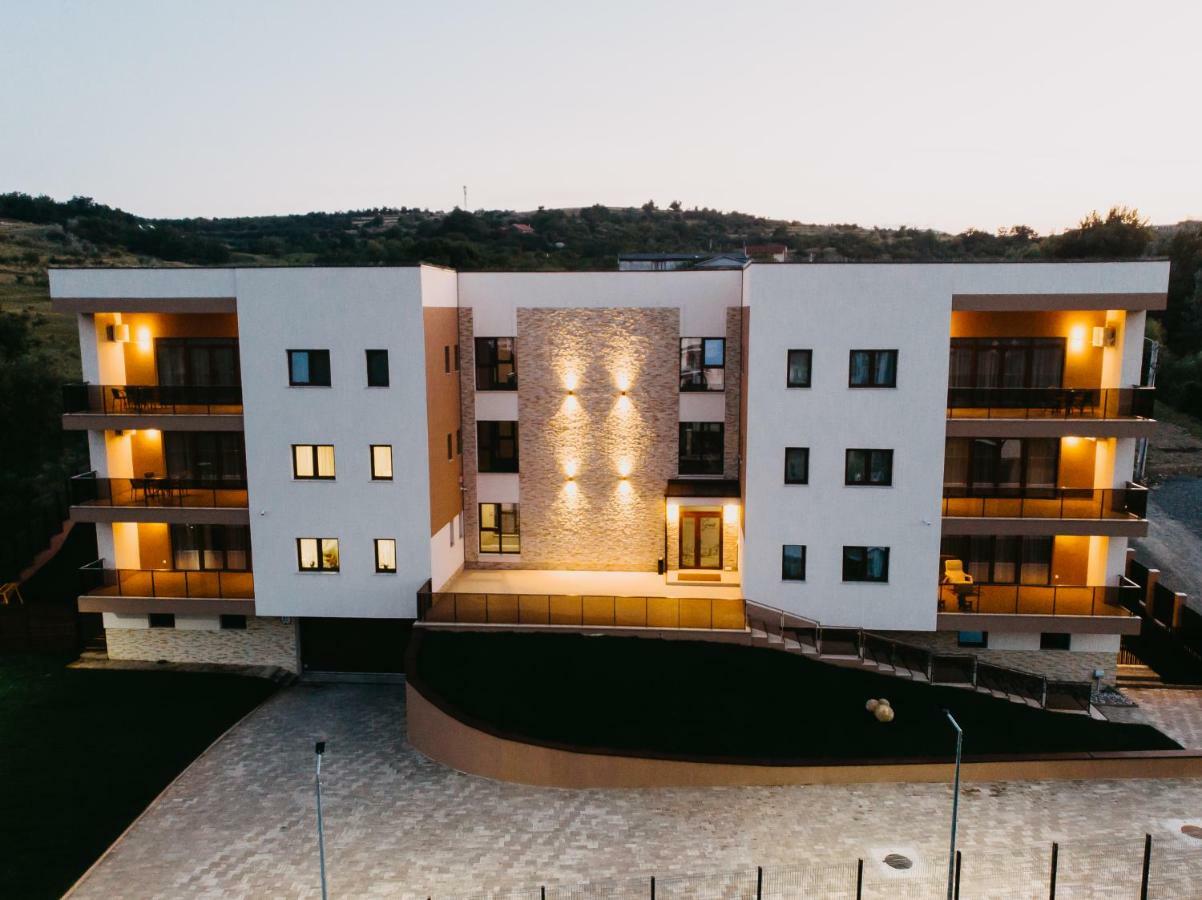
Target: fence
<point>1130,502</point>
<point>216,584</point>
<point>1040,599</point>
<point>1167,866</point>
<point>157,491</point>
<point>152,399</point>
<point>1170,637</point>
<point>1050,403</point>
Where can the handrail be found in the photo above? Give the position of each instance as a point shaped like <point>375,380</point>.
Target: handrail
<point>97,579</point>
<point>1055,403</point>
<point>1039,599</point>
<point>152,399</point>
<point>1130,502</point>
<point>88,489</point>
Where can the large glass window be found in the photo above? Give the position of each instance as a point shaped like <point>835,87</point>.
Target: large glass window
<point>204,455</point>
<point>797,465</point>
<point>871,467</point>
<point>873,369</point>
<point>210,547</point>
<point>992,467</point>
<point>309,368</point>
<point>317,554</point>
<point>865,563</point>
<point>799,368</point>
<point>381,462</point>
<point>496,366</point>
<point>386,555</point>
<point>500,528</point>
<point>793,562</point>
<point>701,448</point>
<point>1006,363</point>
<point>197,362</point>
<point>312,461</point>
<point>1002,559</point>
<point>377,368</point>
<point>497,446</point>
<point>702,364</point>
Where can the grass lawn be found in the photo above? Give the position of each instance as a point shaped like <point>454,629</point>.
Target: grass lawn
<point>676,698</point>
<point>84,752</point>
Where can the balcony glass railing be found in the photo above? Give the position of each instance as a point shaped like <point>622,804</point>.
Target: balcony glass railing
<point>169,583</point>
<point>152,399</point>
<point>1040,599</point>
<point>1050,403</point>
<point>1130,502</point>
<point>157,491</point>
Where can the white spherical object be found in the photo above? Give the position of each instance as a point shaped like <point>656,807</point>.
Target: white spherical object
<point>884,713</point>
<point>884,701</point>
<point>871,705</point>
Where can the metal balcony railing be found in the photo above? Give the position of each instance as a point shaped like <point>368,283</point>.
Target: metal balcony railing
<point>1130,502</point>
<point>152,399</point>
<point>1040,599</point>
<point>1050,403</point>
<point>157,491</point>
<point>96,580</point>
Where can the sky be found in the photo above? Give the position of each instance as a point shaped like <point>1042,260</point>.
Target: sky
<point>930,114</point>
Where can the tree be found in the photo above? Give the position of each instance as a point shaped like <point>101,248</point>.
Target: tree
<point>1123,234</point>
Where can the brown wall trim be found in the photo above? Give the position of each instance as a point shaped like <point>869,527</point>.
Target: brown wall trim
<point>144,304</point>
<point>182,606</point>
<point>448,741</point>
<point>1010,622</point>
<point>1012,525</point>
<point>1050,427</point>
<point>1044,302</point>
<point>172,515</point>
<point>190,422</point>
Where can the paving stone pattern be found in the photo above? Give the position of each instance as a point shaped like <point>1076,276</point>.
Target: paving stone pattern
<point>240,823</point>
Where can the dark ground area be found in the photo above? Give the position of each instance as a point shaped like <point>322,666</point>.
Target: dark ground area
<point>1174,540</point>
<point>711,700</point>
<point>84,752</point>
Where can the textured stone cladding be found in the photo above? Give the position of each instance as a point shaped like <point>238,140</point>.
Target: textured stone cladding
<point>467,416</point>
<point>1056,665</point>
<point>597,521</point>
<point>265,642</point>
<point>733,382</point>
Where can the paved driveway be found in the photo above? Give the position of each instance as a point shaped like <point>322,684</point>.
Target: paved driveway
<point>240,821</point>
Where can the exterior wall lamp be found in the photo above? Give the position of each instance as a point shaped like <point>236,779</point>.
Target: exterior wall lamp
<point>118,334</point>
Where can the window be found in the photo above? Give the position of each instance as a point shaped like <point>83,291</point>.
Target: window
<point>1003,559</point>
<point>1006,362</point>
<point>866,564</point>
<point>209,548</point>
<point>872,467</point>
<point>973,638</point>
<point>702,364</point>
<point>309,368</point>
<point>386,555</point>
<point>377,368</point>
<point>873,368</point>
<point>446,359</point>
<point>1055,640</point>
<point>701,448</point>
<point>499,528</point>
<point>497,446</point>
<point>450,447</point>
<point>161,620</point>
<point>793,562</point>
<point>317,554</point>
<point>797,465</point>
<point>312,461</point>
<point>496,368</point>
<point>1000,467</point>
<point>798,374</point>
<point>233,623</point>
<point>205,456</point>
<point>197,362</point>
<point>381,462</point>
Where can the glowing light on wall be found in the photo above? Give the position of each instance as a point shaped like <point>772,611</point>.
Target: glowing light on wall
<point>624,488</point>
<point>625,467</point>
<point>673,512</point>
<point>144,339</point>
<point>1076,338</point>
<point>622,380</point>
<point>571,381</point>
<point>152,433</point>
<point>570,468</point>
<point>1071,441</point>
<point>730,513</point>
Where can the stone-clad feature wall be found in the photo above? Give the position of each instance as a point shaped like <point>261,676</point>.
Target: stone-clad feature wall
<point>596,521</point>
<point>733,381</point>
<point>467,418</point>
<point>264,642</point>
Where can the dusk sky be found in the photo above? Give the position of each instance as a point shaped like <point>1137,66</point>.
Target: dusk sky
<point>939,114</point>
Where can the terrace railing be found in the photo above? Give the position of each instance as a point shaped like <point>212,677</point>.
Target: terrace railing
<point>100,581</point>
<point>1050,403</point>
<point>157,491</point>
<point>1130,502</point>
<point>152,399</point>
<point>1040,599</point>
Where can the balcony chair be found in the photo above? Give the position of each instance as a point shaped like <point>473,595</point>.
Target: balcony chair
<point>120,398</point>
<point>959,581</point>
<point>10,591</point>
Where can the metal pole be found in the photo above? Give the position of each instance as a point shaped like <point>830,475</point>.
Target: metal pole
<point>321,840</point>
<point>957,875</point>
<point>859,879</point>
<point>1055,859</point>
<point>951,853</point>
<point>1143,883</point>
<point>759,882</point>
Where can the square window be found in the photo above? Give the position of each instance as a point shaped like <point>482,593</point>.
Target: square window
<point>793,562</point>
<point>496,365</point>
<point>866,564</point>
<point>869,467</point>
<point>1055,640</point>
<point>701,448</point>
<point>309,368</point>
<point>233,623</point>
<point>797,465</point>
<point>161,620</point>
<point>872,369</point>
<point>312,462</point>
<point>972,638</point>
<point>497,446</point>
<point>381,462</point>
<point>798,370</point>
<point>499,528</point>
<point>317,554</point>
<point>377,368</point>
<point>386,555</point>
<point>702,364</point>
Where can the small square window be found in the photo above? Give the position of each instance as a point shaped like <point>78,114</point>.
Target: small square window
<point>312,462</point>
<point>866,564</point>
<point>793,562</point>
<point>317,554</point>
<point>309,368</point>
<point>869,467</point>
<point>972,638</point>
<point>496,364</point>
<point>161,620</point>
<point>381,462</point>
<point>233,623</point>
<point>798,370</point>
<point>702,364</point>
<point>1055,640</point>
<point>386,555</point>
<point>797,465</point>
<point>377,368</point>
<point>873,369</point>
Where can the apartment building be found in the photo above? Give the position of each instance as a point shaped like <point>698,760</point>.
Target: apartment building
<point>291,465</point>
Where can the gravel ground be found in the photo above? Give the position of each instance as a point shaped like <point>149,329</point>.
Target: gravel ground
<point>1174,540</point>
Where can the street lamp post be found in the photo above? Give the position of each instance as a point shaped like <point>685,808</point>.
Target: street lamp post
<point>321,841</point>
<point>951,853</point>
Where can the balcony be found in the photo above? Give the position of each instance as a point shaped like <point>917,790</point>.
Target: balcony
<point>213,408</point>
<point>1042,607</point>
<point>1110,511</point>
<point>137,591</point>
<point>1035,412</point>
<point>159,499</point>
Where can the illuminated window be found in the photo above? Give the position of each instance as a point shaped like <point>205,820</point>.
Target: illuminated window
<point>312,461</point>
<point>309,368</point>
<point>499,528</point>
<point>385,555</point>
<point>381,462</point>
<point>317,554</point>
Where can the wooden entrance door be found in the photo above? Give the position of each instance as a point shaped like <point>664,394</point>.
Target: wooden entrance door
<point>700,539</point>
